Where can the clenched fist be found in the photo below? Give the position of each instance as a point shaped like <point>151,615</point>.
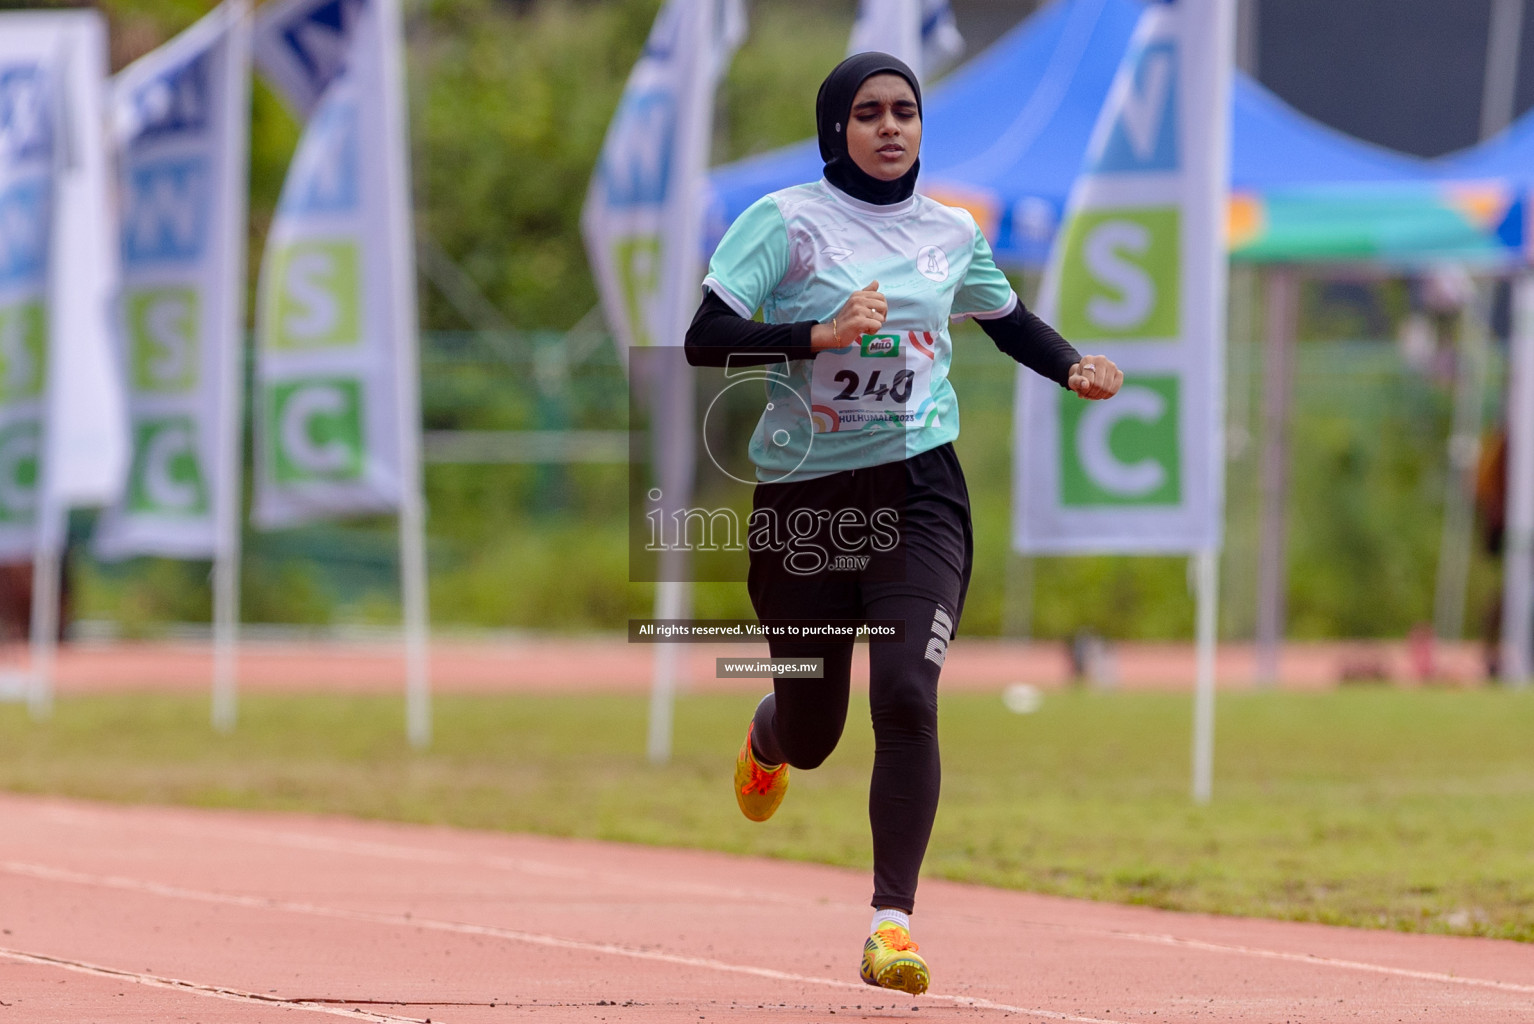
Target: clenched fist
<point>1095,377</point>
<point>862,313</point>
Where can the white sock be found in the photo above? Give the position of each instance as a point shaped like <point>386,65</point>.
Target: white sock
<point>899,917</point>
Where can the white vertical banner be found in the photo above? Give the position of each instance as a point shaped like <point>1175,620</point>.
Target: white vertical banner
<point>182,117</point>
<point>29,86</point>
<point>923,33</point>
<point>64,442</point>
<point>63,437</point>
<point>336,307</point>
<point>85,454</point>
<point>643,228</point>
<point>1138,273</point>
<point>890,26</point>
<point>643,217</point>
<point>338,418</point>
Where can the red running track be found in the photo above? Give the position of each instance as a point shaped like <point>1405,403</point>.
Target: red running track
<point>112,914</point>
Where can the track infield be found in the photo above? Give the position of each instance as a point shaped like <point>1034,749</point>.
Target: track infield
<point>112,913</point>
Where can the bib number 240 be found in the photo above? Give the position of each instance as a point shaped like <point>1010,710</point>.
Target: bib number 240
<point>885,380</point>
<point>898,389</point>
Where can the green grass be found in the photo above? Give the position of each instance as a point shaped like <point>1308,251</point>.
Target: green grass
<point>1377,807</point>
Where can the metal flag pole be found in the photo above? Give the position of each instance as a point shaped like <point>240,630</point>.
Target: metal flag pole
<point>674,446</point>
<point>1206,576</point>
<point>51,514</point>
<point>226,557</point>
<point>46,569</point>
<point>412,508</point>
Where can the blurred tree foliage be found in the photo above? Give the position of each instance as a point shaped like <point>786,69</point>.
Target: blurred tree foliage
<point>510,106</point>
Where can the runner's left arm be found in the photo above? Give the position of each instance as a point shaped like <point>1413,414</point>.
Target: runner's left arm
<point>1032,342</point>
<point>986,295</point>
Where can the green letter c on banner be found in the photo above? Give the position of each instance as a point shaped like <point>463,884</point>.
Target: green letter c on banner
<point>315,429</point>
<point>1123,451</point>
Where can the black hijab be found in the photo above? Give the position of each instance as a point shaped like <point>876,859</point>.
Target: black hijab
<point>833,106</point>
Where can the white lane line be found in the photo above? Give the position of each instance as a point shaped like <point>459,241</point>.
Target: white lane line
<point>420,855</point>
<point>196,989</point>
<point>42,872</point>
<point>389,850</point>
<point>1323,961</point>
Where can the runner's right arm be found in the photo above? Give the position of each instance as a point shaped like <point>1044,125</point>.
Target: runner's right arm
<point>751,259</point>
<point>718,332</point>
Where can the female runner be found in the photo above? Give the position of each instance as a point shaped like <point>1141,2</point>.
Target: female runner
<point>857,278</point>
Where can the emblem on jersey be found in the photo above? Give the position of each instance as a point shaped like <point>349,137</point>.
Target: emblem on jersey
<point>932,263</point>
<point>881,345</point>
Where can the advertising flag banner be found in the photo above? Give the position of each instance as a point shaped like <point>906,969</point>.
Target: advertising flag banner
<point>29,83</point>
<point>1138,273</point>
<point>337,391</point>
<point>644,210</point>
<point>62,429</point>
<point>182,117</point>
<point>923,33</point>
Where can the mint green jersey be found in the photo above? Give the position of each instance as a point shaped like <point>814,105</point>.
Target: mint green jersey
<point>797,255</point>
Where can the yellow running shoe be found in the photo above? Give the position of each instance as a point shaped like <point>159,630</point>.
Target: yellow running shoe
<point>890,961</point>
<point>757,790</point>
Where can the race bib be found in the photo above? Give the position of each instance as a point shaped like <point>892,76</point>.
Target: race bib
<point>882,382</point>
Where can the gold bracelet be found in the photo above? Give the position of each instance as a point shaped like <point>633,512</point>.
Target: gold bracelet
<point>836,336</point>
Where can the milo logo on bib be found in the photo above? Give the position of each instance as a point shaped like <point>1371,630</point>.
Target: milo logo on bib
<point>877,384</point>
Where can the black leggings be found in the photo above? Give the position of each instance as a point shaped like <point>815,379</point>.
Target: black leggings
<point>801,721</point>
<point>921,582</point>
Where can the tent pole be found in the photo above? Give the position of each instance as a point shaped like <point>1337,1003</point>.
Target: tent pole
<point>1464,451</point>
<point>1280,327</point>
<point>1237,571</point>
<point>1516,658</point>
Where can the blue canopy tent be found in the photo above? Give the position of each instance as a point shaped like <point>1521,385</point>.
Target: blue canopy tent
<point>1005,136</point>
<point>1028,102</point>
<point>1508,155</point>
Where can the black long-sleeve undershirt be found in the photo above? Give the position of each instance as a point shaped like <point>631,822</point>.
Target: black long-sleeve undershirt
<point>717,333</point>
<point>719,336</point>
<point>1029,340</point>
